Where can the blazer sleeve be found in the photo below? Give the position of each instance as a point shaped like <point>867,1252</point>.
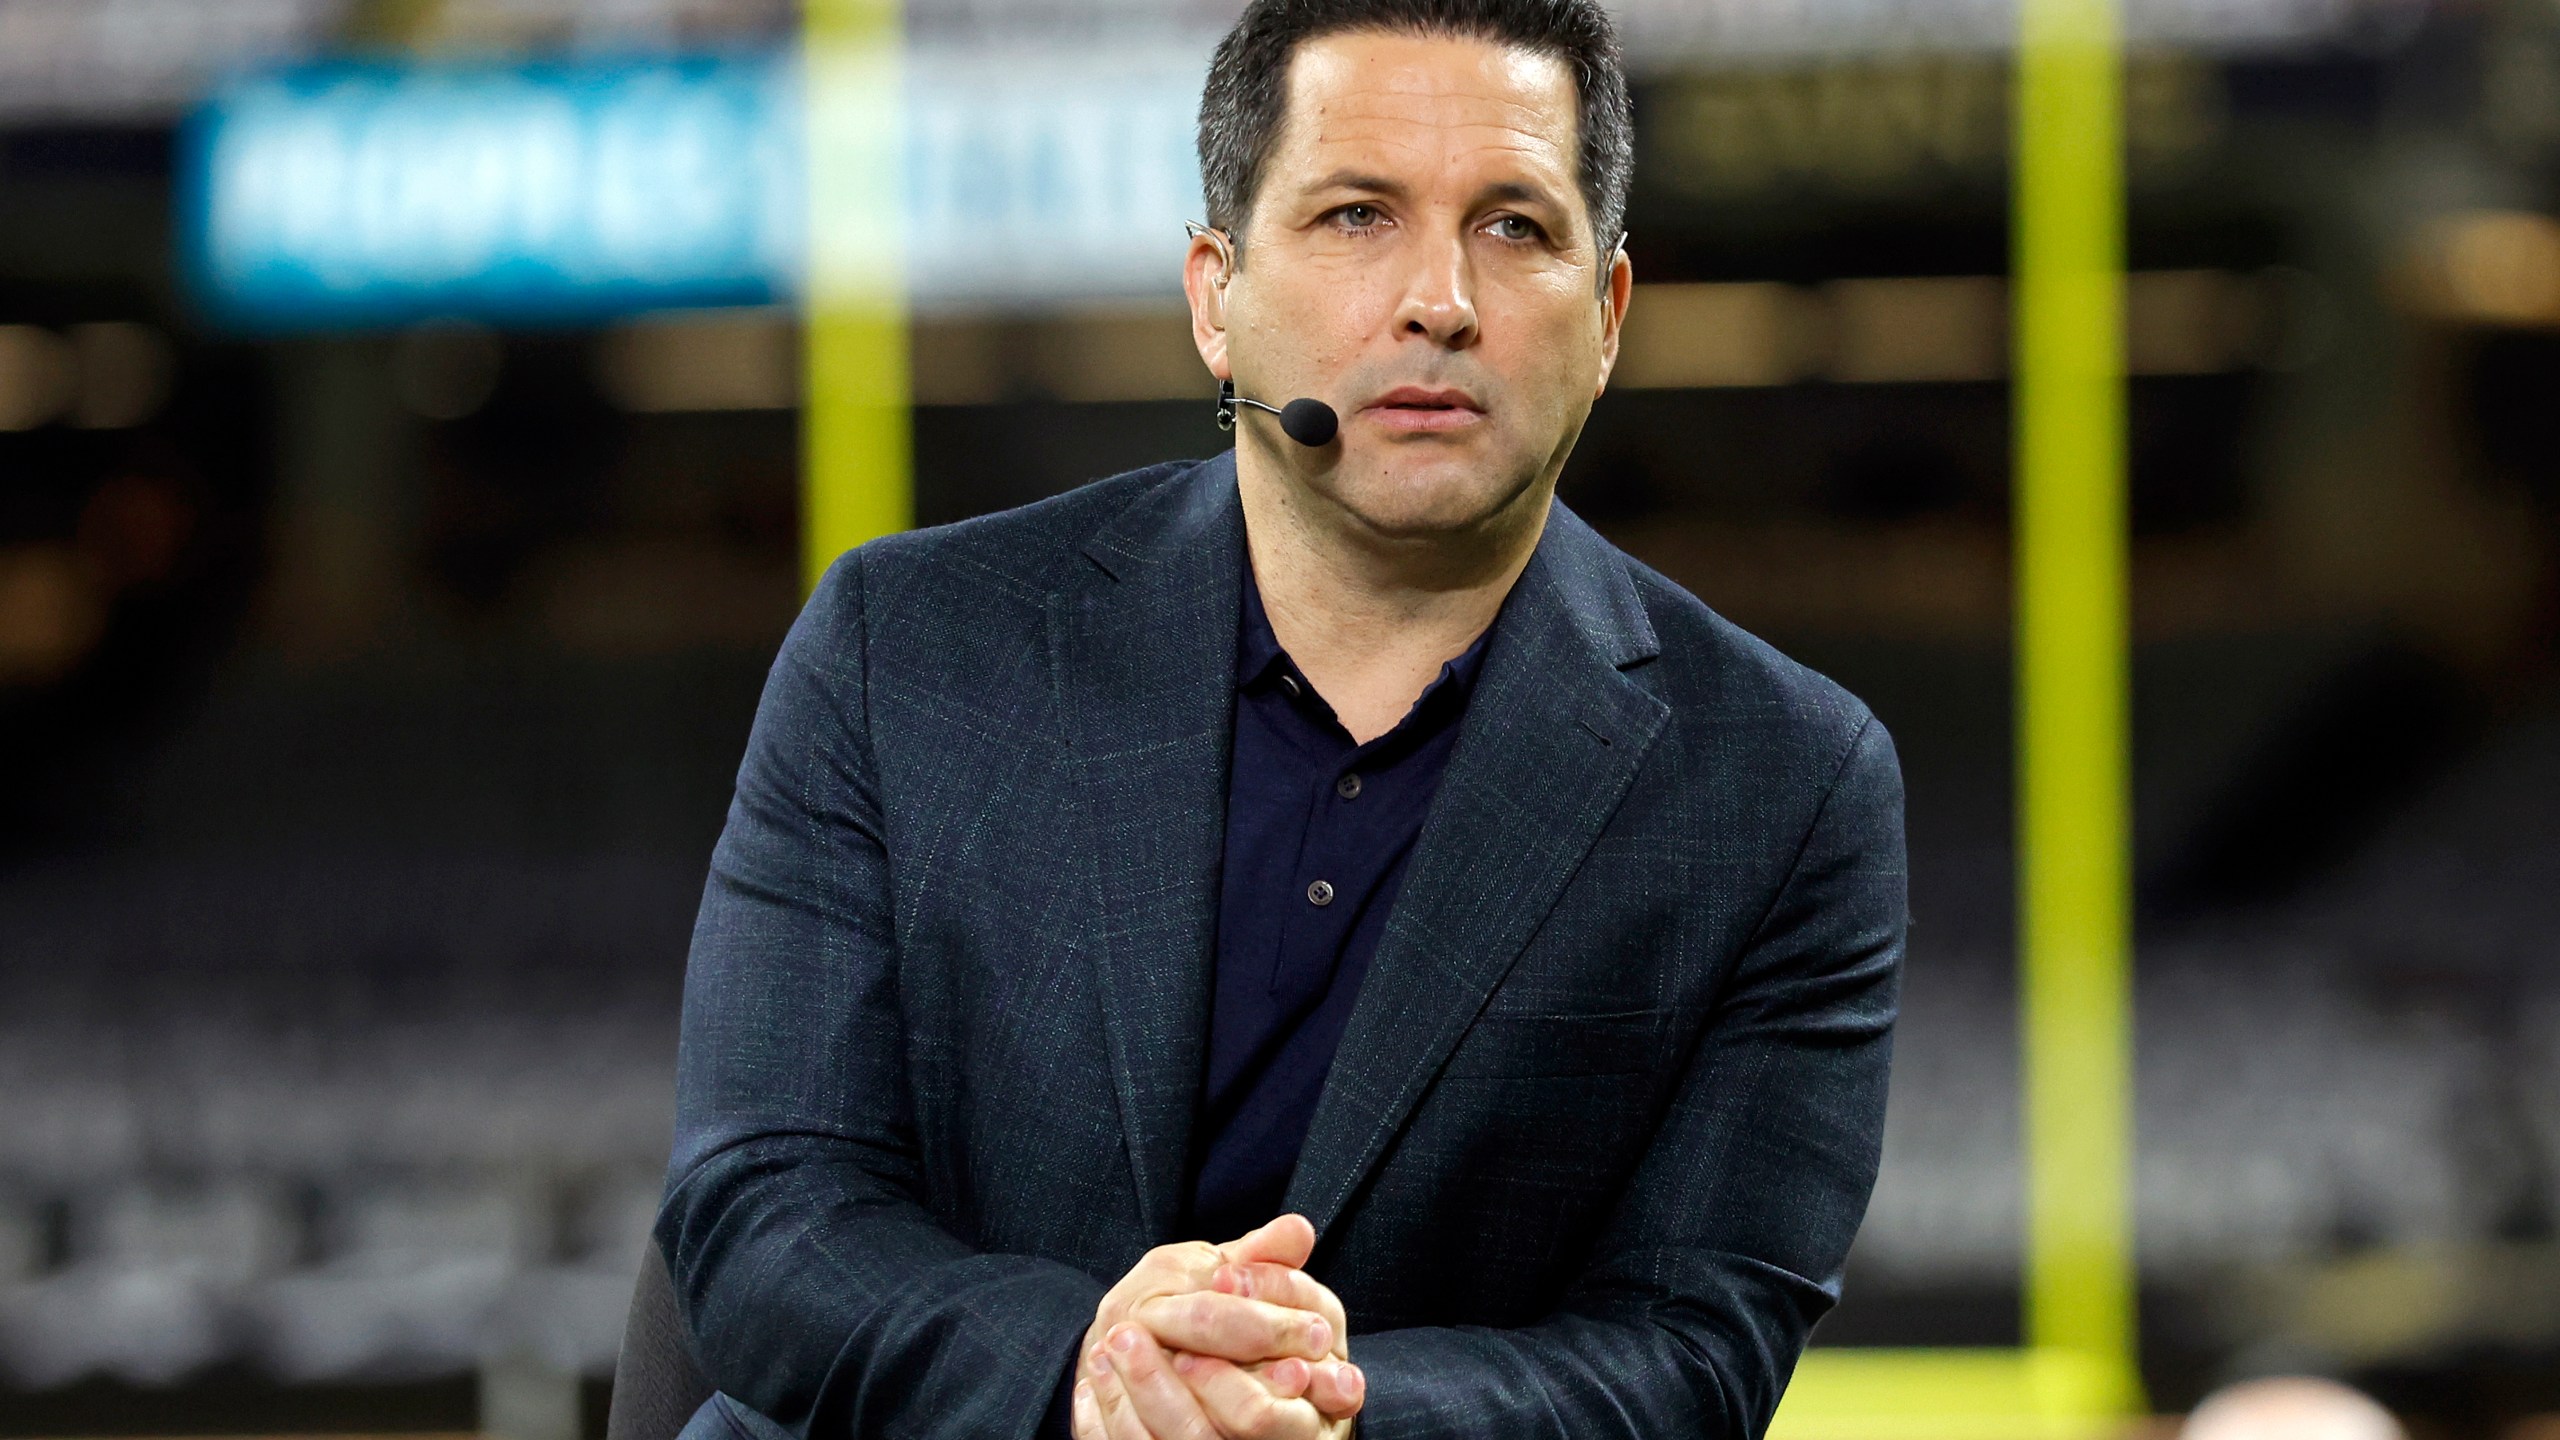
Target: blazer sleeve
<point>817,1286</point>
<point>1729,1242</point>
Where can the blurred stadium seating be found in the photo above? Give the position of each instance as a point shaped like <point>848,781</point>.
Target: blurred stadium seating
<point>352,1114</point>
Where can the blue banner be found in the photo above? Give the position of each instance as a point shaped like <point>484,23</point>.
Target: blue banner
<point>370,194</point>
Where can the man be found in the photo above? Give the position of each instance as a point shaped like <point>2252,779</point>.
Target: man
<point>1338,852</point>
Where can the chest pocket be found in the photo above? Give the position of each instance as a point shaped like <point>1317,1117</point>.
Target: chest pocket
<point>1617,1042</point>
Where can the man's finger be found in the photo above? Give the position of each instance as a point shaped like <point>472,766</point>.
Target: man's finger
<point>1284,1378</point>
<point>1281,1285</point>
<point>1119,1418</point>
<point>1288,1240</point>
<point>1239,1404</point>
<point>1086,1420</point>
<point>1165,1270</point>
<point>1234,1328</point>
<point>1336,1388</point>
<point>1162,1400</point>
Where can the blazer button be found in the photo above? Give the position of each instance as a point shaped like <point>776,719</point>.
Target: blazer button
<point>1320,893</point>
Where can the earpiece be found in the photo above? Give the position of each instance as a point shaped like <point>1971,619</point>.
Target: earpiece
<point>1217,237</point>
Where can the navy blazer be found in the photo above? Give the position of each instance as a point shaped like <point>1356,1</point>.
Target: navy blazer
<point>1604,1120</point>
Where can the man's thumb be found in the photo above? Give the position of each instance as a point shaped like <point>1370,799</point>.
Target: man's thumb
<point>1288,1241</point>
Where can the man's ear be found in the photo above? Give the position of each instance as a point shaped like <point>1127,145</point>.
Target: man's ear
<point>1614,299</point>
<point>1205,268</point>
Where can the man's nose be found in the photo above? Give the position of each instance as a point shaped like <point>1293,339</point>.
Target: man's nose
<point>1439,298</point>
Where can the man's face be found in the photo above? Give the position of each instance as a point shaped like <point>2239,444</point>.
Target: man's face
<point>1420,258</point>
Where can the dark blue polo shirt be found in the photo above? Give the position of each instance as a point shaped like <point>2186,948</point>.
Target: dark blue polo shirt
<point>1319,830</point>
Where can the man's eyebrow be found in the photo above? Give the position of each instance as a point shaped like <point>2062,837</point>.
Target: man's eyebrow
<point>1520,190</point>
<point>1514,190</point>
<point>1356,180</point>
<point>1564,223</point>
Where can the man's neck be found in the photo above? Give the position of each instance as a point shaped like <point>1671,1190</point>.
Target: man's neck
<point>1370,619</point>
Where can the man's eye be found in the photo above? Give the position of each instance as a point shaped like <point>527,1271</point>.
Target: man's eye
<point>1514,227</point>
<point>1358,217</point>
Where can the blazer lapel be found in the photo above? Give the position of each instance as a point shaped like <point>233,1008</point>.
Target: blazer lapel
<point>1143,656</point>
<point>1553,736</point>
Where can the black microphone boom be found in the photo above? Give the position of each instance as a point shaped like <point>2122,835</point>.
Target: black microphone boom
<point>1307,420</point>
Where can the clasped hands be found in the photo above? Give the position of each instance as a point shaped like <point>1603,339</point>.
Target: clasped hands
<point>1220,1342</point>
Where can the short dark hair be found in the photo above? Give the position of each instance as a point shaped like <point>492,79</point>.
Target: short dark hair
<point>1246,97</point>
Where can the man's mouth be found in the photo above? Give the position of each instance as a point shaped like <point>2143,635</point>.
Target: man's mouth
<point>1424,409</point>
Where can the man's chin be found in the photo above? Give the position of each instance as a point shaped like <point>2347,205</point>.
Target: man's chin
<point>1422,514</point>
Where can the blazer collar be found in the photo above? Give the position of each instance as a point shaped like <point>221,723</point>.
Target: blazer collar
<point>1554,736</point>
<point>1143,657</point>
<point>1176,533</point>
<point>1143,660</point>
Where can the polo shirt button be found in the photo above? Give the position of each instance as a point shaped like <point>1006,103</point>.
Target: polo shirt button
<point>1290,683</point>
<point>1348,787</point>
<point>1320,893</point>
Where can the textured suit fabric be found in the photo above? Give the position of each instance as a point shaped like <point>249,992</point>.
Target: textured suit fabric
<point>1606,1113</point>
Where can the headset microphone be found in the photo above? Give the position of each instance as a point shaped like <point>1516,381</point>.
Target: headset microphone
<point>1307,420</point>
